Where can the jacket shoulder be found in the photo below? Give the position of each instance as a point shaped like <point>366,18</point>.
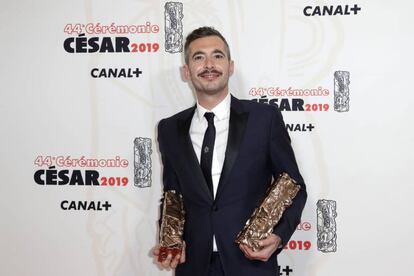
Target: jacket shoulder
<point>182,115</point>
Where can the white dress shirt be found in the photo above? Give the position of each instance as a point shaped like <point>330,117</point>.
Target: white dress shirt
<point>198,128</point>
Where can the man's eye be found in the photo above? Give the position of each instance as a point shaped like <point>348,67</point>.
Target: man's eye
<point>219,56</point>
<point>198,57</point>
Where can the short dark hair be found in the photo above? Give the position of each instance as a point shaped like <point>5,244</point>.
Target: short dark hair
<point>200,33</point>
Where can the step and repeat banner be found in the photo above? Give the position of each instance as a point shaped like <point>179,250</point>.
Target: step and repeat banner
<point>84,84</point>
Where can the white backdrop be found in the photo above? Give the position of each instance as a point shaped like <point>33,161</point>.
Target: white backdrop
<point>52,109</point>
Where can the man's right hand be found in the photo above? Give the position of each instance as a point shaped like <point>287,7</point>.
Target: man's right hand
<point>169,262</point>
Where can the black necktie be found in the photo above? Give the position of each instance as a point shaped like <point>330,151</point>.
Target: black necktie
<point>206,158</point>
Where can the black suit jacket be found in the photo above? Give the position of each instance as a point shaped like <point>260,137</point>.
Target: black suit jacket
<point>258,149</point>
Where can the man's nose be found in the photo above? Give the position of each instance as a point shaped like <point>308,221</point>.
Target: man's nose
<point>209,63</point>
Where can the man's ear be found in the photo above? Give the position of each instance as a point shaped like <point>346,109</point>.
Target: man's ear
<point>231,67</point>
<point>186,72</point>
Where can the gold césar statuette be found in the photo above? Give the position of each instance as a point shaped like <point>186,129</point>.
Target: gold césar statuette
<point>260,225</point>
<point>172,225</point>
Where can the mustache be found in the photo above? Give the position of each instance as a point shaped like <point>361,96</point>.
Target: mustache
<point>209,71</point>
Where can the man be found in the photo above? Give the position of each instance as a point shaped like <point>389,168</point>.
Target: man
<point>222,164</point>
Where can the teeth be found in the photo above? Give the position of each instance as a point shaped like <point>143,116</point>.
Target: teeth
<point>209,75</point>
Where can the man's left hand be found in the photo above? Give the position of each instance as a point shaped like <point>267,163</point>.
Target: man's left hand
<point>268,247</point>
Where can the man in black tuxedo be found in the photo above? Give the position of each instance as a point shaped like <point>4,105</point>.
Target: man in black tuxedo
<point>221,156</point>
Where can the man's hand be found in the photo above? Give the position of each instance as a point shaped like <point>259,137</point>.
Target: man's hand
<point>169,262</point>
<point>268,247</point>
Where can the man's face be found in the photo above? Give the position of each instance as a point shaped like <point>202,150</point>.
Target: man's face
<point>208,66</point>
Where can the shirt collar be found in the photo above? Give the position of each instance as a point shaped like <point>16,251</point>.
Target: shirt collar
<point>221,111</point>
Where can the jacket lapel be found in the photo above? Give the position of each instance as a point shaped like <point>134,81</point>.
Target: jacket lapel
<point>191,157</point>
<point>237,126</point>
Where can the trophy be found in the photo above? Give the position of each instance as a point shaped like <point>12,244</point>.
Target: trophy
<point>260,225</point>
<point>172,225</point>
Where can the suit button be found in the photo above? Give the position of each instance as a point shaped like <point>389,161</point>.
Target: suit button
<point>214,208</point>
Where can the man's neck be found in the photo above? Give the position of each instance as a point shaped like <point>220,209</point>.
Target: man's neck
<point>211,101</point>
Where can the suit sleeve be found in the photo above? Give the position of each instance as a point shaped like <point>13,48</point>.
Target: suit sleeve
<point>169,177</point>
<point>283,160</point>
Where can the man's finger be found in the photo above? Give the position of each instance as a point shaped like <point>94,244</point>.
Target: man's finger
<point>166,263</point>
<point>272,239</point>
<point>247,251</point>
<point>175,261</point>
<point>182,259</point>
<point>261,255</point>
<point>242,248</point>
<point>265,253</point>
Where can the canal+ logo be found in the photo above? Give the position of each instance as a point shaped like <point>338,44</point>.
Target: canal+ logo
<point>331,10</point>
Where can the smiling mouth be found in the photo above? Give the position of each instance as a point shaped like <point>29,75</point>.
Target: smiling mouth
<point>210,75</point>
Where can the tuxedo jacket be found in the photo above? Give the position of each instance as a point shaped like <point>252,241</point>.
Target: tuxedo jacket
<point>258,149</point>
